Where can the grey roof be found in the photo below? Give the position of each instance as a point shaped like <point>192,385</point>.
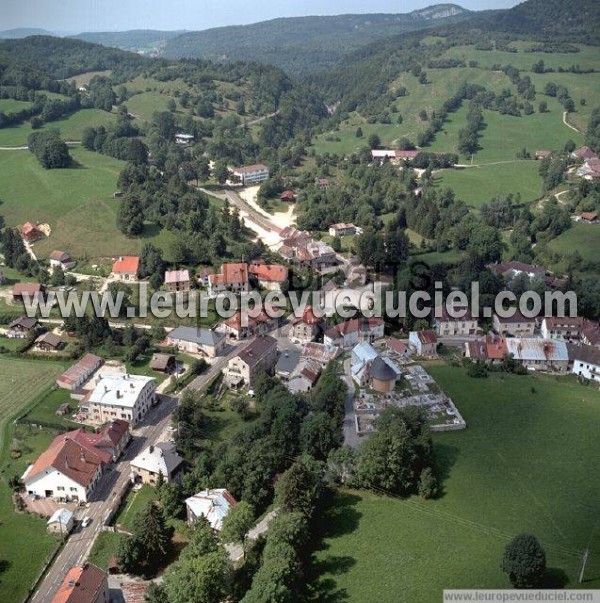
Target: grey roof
<point>196,335</point>
<point>288,360</point>
<point>257,349</point>
<point>24,321</point>
<point>381,371</point>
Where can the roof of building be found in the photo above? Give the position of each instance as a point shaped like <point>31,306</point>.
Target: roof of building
<point>308,317</point>
<point>61,516</point>
<point>111,434</point>
<point>553,322</point>
<point>212,504</point>
<point>397,346</point>
<point>177,276</point>
<point>591,331</point>
<point>127,264</point>
<point>585,353</point>
<point>248,169</point>
<point>307,369</point>
<point>288,361</point>
<point>408,154</point>
<point>476,349</point>
<point>119,389</point>
<point>288,195</point>
<point>60,256</point>
<point>342,226</point>
<point>257,349</point>
<point>30,227</point>
<point>26,289</point>
<point>75,459</point>
<point>381,370</point>
<point>464,313</point>
<point>352,326</point>
<point>24,321</point>
<point>584,153</point>
<point>319,352</point>
<point>364,352</point>
<point>516,266</point>
<point>230,274</point>
<point>426,336</point>
<point>275,273</point>
<point>160,362</point>
<point>529,349</point>
<point>82,584</point>
<point>82,368</point>
<point>160,458</point>
<point>49,338</point>
<point>517,317</point>
<point>589,216</point>
<point>197,335</point>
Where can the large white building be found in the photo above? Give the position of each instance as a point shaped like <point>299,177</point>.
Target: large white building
<point>586,362</point>
<point>252,174</point>
<point>120,396</point>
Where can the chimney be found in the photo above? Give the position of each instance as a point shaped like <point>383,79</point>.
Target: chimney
<point>151,449</point>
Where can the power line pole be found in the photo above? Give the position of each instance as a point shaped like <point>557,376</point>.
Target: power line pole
<point>583,564</point>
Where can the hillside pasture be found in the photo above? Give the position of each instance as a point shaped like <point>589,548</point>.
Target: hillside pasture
<point>10,105</point>
<point>581,238</point>
<point>527,462</point>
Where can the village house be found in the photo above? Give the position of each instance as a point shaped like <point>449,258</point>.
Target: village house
<point>347,334</point>
<point>233,277</point>
<point>399,348</point>
<point>448,326</point>
<point>292,237</point>
<point>319,352</point>
<point>177,280</point>
<point>586,362</point>
<point>119,396</point>
<point>84,584</point>
<point>21,327</point>
<point>31,232</point>
<point>342,230</point>
<point>213,505</point>
<point>590,170</point>
<point>160,458</point>
<point>542,153</point>
<point>491,349</point>
<point>424,343</point>
<point>126,268</point>
<point>197,340</point>
<point>304,376</point>
<point>393,155</point>
<point>257,357</point>
<point>516,325</point>
<point>251,174</point>
<point>590,333</point>
<point>539,354</point>
<point>288,196</point>
<point>584,153</point>
<point>113,438</point>
<point>76,375</point>
<point>61,522</point>
<point>202,275</point>
<point>184,139</point>
<point>163,363</point>
<point>62,260</point>
<point>68,470</point>
<point>286,363</point>
<point>306,328</point>
<point>243,326</point>
<point>563,329</point>
<point>29,291</point>
<point>268,276</point>
<point>589,217</point>
<point>508,270</point>
<point>49,342</point>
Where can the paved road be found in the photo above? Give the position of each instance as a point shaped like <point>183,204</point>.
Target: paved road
<point>79,544</point>
<point>351,438</point>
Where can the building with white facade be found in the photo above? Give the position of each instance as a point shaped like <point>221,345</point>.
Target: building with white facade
<point>252,174</point>
<point>213,505</point>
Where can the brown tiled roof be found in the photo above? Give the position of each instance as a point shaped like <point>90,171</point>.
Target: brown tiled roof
<point>250,168</point>
<point>230,273</point>
<point>60,256</point>
<point>257,349</point>
<point>128,264</point>
<point>84,366</point>
<point>82,584</point>
<point>427,336</point>
<point>576,322</point>
<point>26,289</point>
<point>51,339</point>
<point>25,322</point>
<point>275,273</point>
<point>516,317</point>
<point>396,345</point>
<point>353,325</point>
<point>496,347</point>
<point>160,362</point>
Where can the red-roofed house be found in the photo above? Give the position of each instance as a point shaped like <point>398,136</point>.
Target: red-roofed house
<point>177,280</point>
<point>269,276</point>
<point>424,343</point>
<point>75,376</point>
<point>349,333</point>
<point>21,291</point>
<point>398,347</point>
<point>288,196</point>
<point>62,260</point>
<point>126,268</point>
<point>83,584</point>
<point>591,217</point>
<point>31,232</point>
<point>233,277</point>
<point>583,153</point>
<point>68,470</point>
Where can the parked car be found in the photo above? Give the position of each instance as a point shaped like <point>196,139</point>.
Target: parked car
<point>87,520</point>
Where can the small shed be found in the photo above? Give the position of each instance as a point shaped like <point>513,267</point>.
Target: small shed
<point>61,522</point>
<point>164,363</point>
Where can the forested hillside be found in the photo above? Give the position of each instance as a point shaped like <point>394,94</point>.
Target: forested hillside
<point>146,40</point>
<point>306,44</point>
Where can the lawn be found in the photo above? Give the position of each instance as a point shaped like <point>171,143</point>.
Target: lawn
<point>528,461</point>
<point>106,545</point>
<point>133,503</point>
<point>584,238</point>
<point>143,105</point>
<point>71,128</point>
<point>45,410</point>
<point>10,105</point>
<point>24,543</point>
<point>480,185</point>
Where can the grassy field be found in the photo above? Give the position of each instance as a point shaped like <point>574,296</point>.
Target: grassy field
<point>24,543</point>
<point>528,461</point>
<point>133,503</point>
<point>10,105</point>
<point>106,545</point>
<point>46,409</point>
<point>584,238</point>
<point>70,128</point>
<point>143,105</point>
<point>480,185</point>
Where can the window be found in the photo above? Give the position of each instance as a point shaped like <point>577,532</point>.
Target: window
<point>60,488</point>
<point>73,489</point>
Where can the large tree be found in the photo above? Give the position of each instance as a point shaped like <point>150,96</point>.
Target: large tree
<point>524,561</point>
<point>236,524</point>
